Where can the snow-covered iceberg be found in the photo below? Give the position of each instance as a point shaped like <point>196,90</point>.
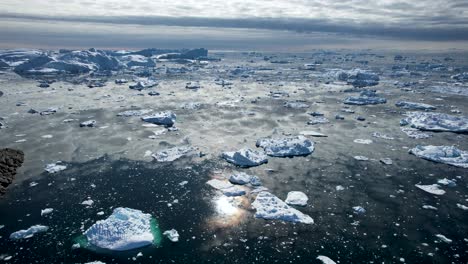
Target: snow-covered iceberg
<point>443,154</point>
<point>436,122</point>
<point>286,146</point>
<point>270,207</point>
<point>125,229</point>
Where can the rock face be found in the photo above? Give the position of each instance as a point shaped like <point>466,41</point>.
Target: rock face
<point>414,106</point>
<point>365,98</point>
<point>125,229</point>
<point>436,122</point>
<point>10,160</point>
<point>245,157</point>
<point>271,207</point>
<point>443,154</point>
<point>286,146</point>
<point>162,118</point>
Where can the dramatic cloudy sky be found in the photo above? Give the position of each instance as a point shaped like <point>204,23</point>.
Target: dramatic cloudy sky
<point>236,24</point>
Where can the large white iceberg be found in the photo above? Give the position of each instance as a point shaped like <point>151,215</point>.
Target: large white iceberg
<point>245,157</point>
<point>270,207</point>
<point>286,146</point>
<point>125,229</point>
<point>443,154</point>
<point>436,122</point>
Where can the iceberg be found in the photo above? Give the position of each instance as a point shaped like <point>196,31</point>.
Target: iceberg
<point>172,234</point>
<point>436,122</point>
<point>166,118</point>
<point>366,97</point>
<point>442,154</point>
<point>243,178</point>
<point>358,77</point>
<point>124,229</point>
<point>297,198</point>
<point>55,167</point>
<point>286,146</point>
<point>21,234</point>
<point>245,157</point>
<point>270,207</point>
<point>432,189</point>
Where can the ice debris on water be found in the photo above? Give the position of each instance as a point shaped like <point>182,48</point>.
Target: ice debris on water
<point>46,211</point>
<point>173,154</point>
<point>55,167</point>
<point>366,97</point>
<point>414,106</point>
<point>358,77</point>
<point>270,207</point>
<point>363,141</point>
<point>432,189</point>
<point>245,157</point>
<point>135,112</point>
<point>436,122</point>
<point>444,238</point>
<point>297,198</point>
<point>359,210</point>
<point>286,146</point>
<point>166,118</point>
<point>89,123</point>
<point>243,178</point>
<point>124,229</point>
<point>415,133</point>
<point>27,233</point>
<point>326,260</point>
<point>442,154</point>
<point>172,235</point>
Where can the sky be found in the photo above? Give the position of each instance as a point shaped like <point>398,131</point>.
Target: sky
<point>235,24</point>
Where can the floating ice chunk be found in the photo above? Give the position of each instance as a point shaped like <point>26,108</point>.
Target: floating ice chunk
<point>383,136</point>
<point>386,161</point>
<point>361,158</point>
<point>240,178</point>
<point>339,188</point>
<point>443,154</point>
<point>286,146</point>
<point>28,232</point>
<point>47,136</point>
<point>46,211</point>
<point>415,133</point>
<point>191,106</point>
<point>359,210</point>
<point>172,234</point>
<point>125,229</point>
<point>463,207</point>
<point>95,262</point>
<point>135,112</point>
<point>365,98</point>
<point>88,202</point>
<point>363,141</point>
<point>166,118</point>
<point>219,184</point>
<point>447,182</point>
<point>89,123</point>
<point>173,154</point>
<point>432,189</point>
<point>312,134</point>
<point>271,207</point>
<point>414,106</point>
<point>144,84</point>
<point>326,260</point>
<point>296,105</point>
<point>245,157</point>
<point>443,238</point>
<point>193,85</point>
<point>358,77</point>
<point>297,198</point>
<point>429,207</point>
<point>318,120</point>
<point>436,122</point>
<point>234,191</point>
<point>55,167</point>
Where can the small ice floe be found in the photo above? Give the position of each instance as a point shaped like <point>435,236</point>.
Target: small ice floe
<point>121,81</point>
<point>89,123</point>
<point>432,189</point>
<point>30,232</point>
<point>358,77</point>
<point>312,134</point>
<point>270,207</point>
<point>245,157</point>
<point>436,122</point>
<point>366,97</point>
<point>192,85</point>
<point>124,229</point>
<point>383,136</point>
<point>243,178</point>
<point>414,106</point>
<point>88,202</point>
<point>463,207</point>
<point>286,146</point>
<point>95,262</point>
<point>172,235</point>
<point>339,117</point>
<point>130,113</point>
<point>359,210</point>
<point>297,198</point>
<point>166,118</point>
<point>49,111</point>
<point>46,211</point>
<point>234,191</point>
<point>442,154</point>
<point>20,140</point>
<point>219,184</point>
<point>318,120</point>
<point>326,260</point>
<point>363,141</point>
<point>447,182</point>
<point>173,154</point>
<point>47,136</point>
<point>429,207</point>
<point>296,105</point>
<point>144,84</point>
<point>191,106</point>
<point>443,238</point>
<point>415,133</point>
<point>361,158</point>
<point>55,167</point>
<point>339,188</point>
<point>386,161</point>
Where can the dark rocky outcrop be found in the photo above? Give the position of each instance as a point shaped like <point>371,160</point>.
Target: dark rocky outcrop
<point>10,160</point>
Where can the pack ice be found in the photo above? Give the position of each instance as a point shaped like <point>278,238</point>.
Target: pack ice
<point>436,122</point>
<point>443,154</point>
<point>270,207</point>
<point>245,157</point>
<point>286,146</point>
<point>124,229</point>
